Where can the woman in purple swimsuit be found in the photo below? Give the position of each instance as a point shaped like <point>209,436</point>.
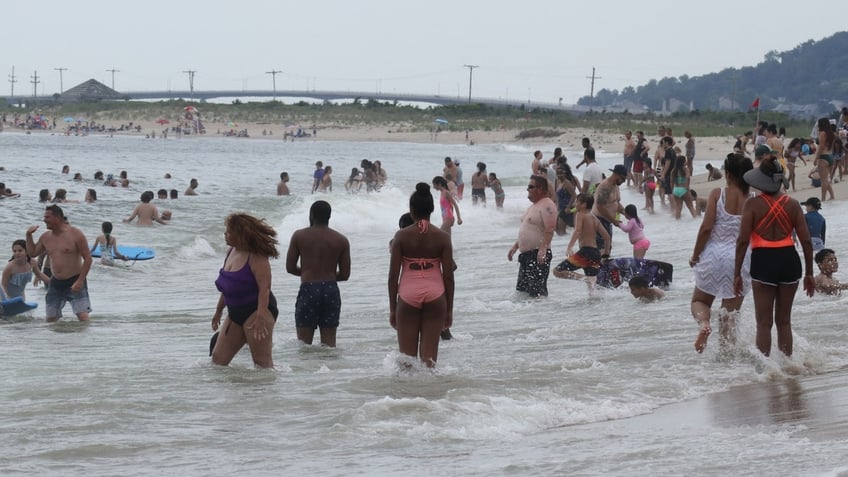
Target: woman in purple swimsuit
<point>245,285</point>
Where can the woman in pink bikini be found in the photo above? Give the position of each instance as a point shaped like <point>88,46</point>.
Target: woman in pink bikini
<point>420,286</point>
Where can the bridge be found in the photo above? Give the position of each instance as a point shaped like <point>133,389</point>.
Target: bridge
<point>204,95</point>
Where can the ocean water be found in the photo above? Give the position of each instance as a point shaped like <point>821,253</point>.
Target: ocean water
<point>554,386</point>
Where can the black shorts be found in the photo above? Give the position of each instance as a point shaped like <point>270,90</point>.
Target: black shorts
<point>478,194</point>
<point>239,314</point>
<point>318,305</point>
<point>775,266</point>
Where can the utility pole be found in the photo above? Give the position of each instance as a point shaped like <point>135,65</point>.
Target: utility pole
<point>190,74</point>
<point>592,89</point>
<point>470,73</point>
<point>61,86</point>
<point>273,74</point>
<point>34,82</point>
<point>113,70</point>
<point>12,81</point>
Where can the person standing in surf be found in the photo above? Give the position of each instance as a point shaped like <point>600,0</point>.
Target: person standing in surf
<point>245,285</point>
<point>420,281</point>
<point>714,247</point>
<point>70,261</point>
<point>324,256</point>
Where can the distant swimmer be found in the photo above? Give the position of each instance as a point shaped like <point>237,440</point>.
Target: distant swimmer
<point>283,185</point>
<point>641,289</point>
<point>146,212</point>
<point>192,188</point>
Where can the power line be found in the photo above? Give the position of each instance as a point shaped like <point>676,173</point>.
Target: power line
<point>190,74</point>
<point>592,89</point>
<point>113,70</point>
<point>12,81</point>
<point>34,82</point>
<point>61,85</point>
<point>470,73</point>
<point>273,74</point>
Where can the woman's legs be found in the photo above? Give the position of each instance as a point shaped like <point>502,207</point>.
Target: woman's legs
<point>764,298</point>
<point>824,175</point>
<point>230,340</point>
<point>419,330</point>
<point>260,350</point>
<point>783,317</point>
<point>701,303</point>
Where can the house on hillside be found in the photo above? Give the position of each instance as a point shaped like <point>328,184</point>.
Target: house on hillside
<point>91,90</point>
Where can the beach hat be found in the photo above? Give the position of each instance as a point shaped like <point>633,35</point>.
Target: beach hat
<point>762,150</point>
<point>620,170</point>
<point>813,202</point>
<point>766,182</point>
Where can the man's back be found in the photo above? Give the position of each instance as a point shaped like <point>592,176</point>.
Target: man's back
<point>323,252</point>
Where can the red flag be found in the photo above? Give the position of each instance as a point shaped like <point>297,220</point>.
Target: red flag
<point>756,103</point>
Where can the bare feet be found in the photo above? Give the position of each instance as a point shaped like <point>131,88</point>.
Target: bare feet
<point>701,340</point>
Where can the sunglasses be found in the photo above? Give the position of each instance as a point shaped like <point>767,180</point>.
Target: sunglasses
<point>531,187</point>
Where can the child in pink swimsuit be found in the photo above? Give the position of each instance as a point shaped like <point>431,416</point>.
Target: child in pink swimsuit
<point>635,231</point>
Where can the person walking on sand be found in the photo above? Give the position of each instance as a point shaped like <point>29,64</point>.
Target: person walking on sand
<point>769,221</point>
<point>70,261</point>
<point>421,282</point>
<point>715,245</point>
<point>824,157</point>
<point>324,256</point>
<point>534,240</point>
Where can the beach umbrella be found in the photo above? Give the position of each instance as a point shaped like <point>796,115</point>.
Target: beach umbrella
<point>69,119</point>
<point>162,121</point>
<point>441,120</point>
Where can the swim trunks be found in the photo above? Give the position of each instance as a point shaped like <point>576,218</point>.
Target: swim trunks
<point>59,292</point>
<point>599,238</point>
<point>239,314</point>
<point>533,276</point>
<point>318,305</point>
<point>478,194</point>
<point>587,258</point>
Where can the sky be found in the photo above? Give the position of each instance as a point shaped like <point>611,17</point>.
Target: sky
<point>528,50</point>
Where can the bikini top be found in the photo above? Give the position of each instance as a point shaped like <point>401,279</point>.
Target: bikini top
<point>776,214</point>
<point>239,286</point>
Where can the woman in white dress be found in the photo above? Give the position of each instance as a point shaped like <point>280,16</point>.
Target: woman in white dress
<point>715,249</point>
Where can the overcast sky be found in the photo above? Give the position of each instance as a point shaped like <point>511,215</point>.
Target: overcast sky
<point>527,49</point>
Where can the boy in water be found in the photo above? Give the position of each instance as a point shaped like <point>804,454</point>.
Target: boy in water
<point>586,228</point>
<point>641,289</point>
<point>828,265</point>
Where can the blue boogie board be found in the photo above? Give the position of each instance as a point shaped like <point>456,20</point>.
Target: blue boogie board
<point>617,271</point>
<point>14,306</point>
<point>132,253</point>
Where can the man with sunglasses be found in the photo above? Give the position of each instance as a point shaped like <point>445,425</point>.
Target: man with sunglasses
<point>534,240</point>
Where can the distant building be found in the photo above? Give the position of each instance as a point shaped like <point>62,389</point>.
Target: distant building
<point>91,90</point>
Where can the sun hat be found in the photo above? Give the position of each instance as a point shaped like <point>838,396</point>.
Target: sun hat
<point>813,202</point>
<point>768,182</point>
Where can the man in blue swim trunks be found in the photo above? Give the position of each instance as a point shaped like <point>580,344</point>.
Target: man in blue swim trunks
<point>324,256</point>
<point>70,261</point>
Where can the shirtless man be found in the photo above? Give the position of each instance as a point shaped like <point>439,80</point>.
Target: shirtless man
<point>146,212</point>
<point>536,165</point>
<point>629,148</point>
<point>640,159</point>
<point>608,201</point>
<point>283,186</point>
<point>450,170</point>
<point>828,265</point>
<point>534,240</point>
<point>324,256</point>
<point>70,261</point>
<point>192,188</point>
<point>587,229</point>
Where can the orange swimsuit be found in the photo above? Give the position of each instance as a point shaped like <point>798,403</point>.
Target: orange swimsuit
<point>777,213</point>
